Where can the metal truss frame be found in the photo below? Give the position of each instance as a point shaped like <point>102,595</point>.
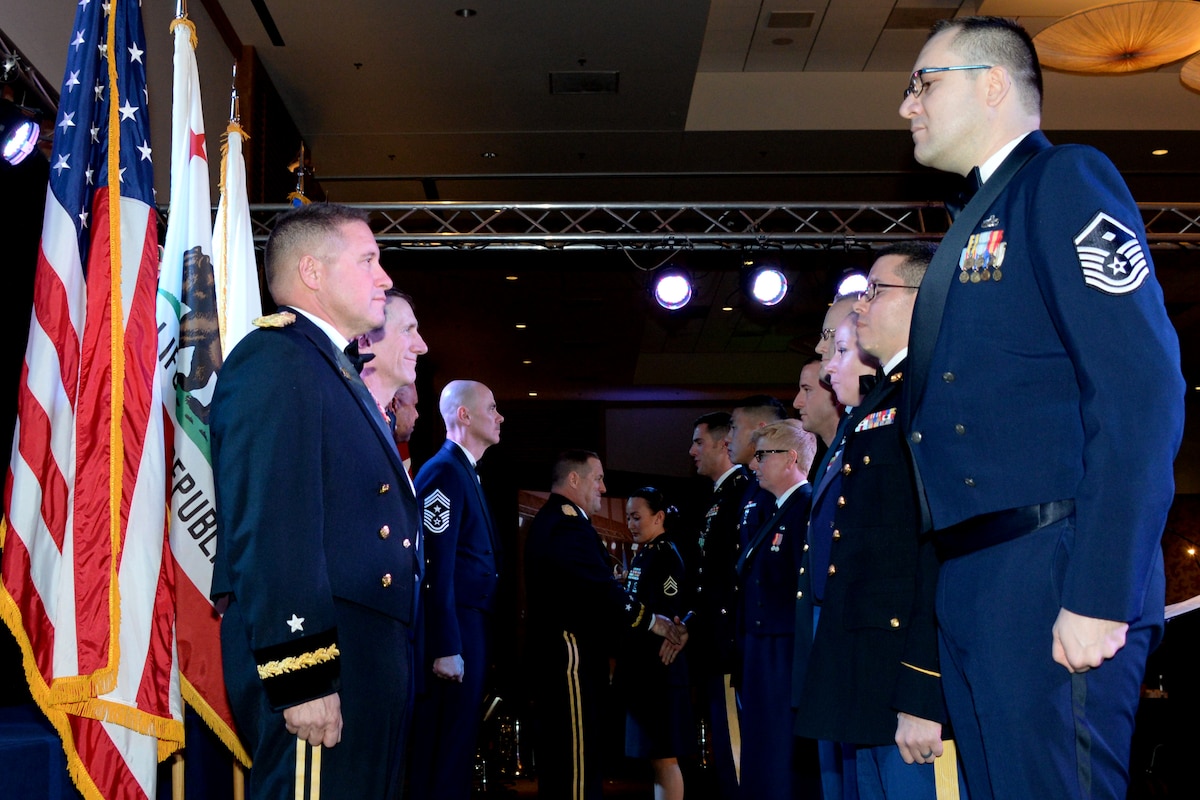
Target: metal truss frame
<point>684,226</point>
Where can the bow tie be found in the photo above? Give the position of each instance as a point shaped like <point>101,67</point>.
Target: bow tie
<point>355,357</point>
<point>867,382</point>
<point>970,185</point>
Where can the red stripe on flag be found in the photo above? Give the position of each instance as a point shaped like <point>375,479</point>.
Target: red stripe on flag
<point>34,447</point>
<point>23,592</point>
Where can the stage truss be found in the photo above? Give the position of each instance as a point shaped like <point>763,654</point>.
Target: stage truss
<point>686,226</point>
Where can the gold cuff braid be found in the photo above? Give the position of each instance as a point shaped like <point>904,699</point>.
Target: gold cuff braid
<point>273,669</point>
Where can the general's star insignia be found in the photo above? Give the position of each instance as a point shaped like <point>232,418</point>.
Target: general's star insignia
<point>296,624</point>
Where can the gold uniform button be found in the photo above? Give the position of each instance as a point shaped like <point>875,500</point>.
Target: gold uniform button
<point>866,460</point>
<point>832,569</point>
<point>385,532</point>
<point>386,580</point>
<point>407,543</point>
<point>895,623</point>
<point>837,534</point>
<point>841,501</point>
<point>845,469</point>
<point>799,595</point>
<point>384,488</point>
<point>806,547</point>
<point>802,570</point>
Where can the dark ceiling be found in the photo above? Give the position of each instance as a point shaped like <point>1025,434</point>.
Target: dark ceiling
<point>722,102</point>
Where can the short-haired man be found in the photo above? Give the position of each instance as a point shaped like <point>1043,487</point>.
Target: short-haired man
<point>747,416</point>
<point>767,569</point>
<point>462,563</point>
<point>403,409</point>
<point>819,410</point>
<point>712,643</point>
<point>874,685</point>
<point>316,555</point>
<point>389,353</point>
<point>575,604</point>
<point>1047,471</point>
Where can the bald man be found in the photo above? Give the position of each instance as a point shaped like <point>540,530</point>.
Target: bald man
<point>458,597</point>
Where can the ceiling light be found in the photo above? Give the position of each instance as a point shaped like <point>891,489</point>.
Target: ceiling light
<point>527,361</point>
<point>852,284</point>
<point>672,288</point>
<point>510,277</point>
<point>1162,151</point>
<point>18,133</point>
<point>533,394</point>
<point>465,12</point>
<point>521,326</point>
<point>767,285</point>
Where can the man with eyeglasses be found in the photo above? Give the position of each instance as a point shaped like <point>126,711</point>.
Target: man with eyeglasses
<point>871,678</point>
<point>1047,472</point>
<point>774,765</point>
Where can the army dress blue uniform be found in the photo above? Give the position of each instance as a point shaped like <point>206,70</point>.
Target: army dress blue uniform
<point>712,646</point>
<point>1046,410</point>
<point>576,611</point>
<point>457,599</point>
<point>875,651</point>
<point>767,572</point>
<point>659,719</point>
<point>316,557</point>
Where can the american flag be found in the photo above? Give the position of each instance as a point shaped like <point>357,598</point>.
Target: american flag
<point>87,583</point>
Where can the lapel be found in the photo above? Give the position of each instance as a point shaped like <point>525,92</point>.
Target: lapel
<point>350,378</point>
<point>761,534</point>
<point>472,477</point>
<point>931,300</point>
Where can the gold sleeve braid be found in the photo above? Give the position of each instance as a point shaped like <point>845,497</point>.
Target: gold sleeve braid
<point>641,614</point>
<point>273,669</point>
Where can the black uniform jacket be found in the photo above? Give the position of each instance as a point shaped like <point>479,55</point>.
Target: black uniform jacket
<point>875,652</point>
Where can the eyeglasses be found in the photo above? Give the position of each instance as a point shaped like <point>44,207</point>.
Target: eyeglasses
<point>873,288</point>
<point>758,454</point>
<point>917,84</point>
<point>826,334</point>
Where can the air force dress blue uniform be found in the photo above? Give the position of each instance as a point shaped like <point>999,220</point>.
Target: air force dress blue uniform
<point>1046,410</point>
<point>577,609</point>
<point>767,573</point>
<point>458,597</point>
<point>316,557</point>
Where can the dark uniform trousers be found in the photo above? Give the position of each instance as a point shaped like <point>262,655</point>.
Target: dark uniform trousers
<point>316,559</point>
<point>1045,413</point>
<point>773,767</point>
<point>457,600</point>
<point>576,609</point>
<point>711,647</point>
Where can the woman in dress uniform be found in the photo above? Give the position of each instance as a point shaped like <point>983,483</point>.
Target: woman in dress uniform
<point>654,678</point>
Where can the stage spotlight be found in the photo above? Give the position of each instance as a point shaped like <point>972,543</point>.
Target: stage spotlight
<point>672,289</point>
<point>768,285</point>
<point>18,133</point>
<point>852,284</point>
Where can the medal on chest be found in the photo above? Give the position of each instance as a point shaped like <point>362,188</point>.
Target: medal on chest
<point>983,256</point>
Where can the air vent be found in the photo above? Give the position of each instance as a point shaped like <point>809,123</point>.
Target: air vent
<point>584,82</point>
<point>790,19</point>
<point>921,19</point>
